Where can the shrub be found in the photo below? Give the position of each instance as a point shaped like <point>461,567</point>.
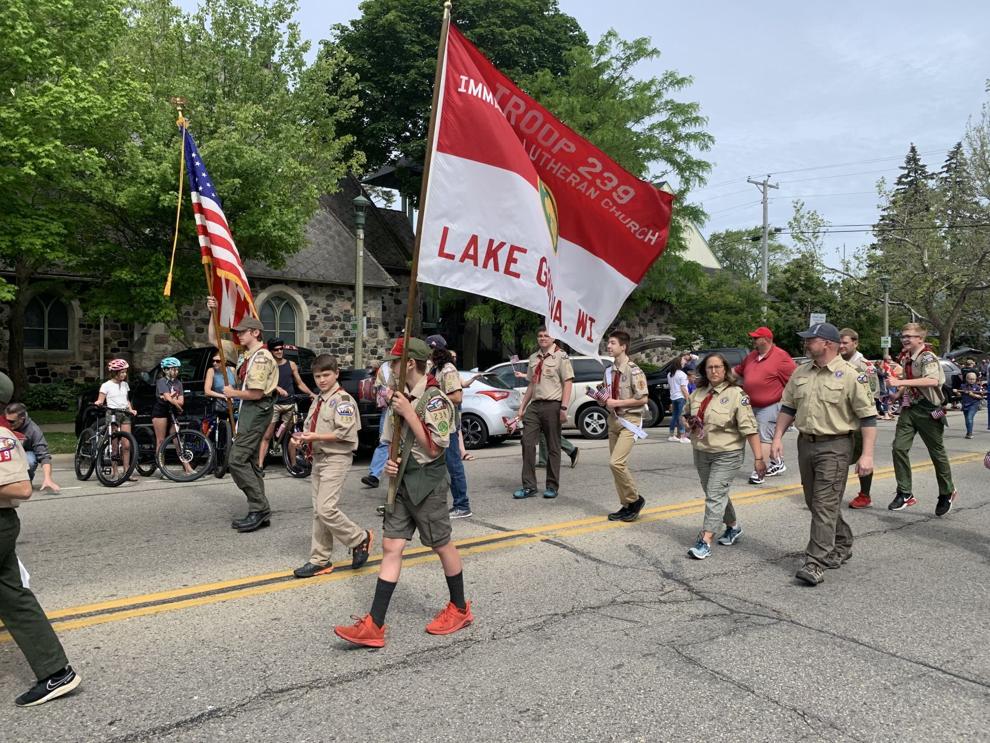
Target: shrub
<point>59,395</point>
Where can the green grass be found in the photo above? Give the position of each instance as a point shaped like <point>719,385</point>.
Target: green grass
<point>61,443</point>
<point>45,417</point>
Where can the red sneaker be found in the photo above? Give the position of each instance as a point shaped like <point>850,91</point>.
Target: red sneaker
<point>450,619</point>
<point>861,501</point>
<point>363,632</point>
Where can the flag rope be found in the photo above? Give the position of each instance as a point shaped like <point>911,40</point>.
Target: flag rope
<point>181,122</point>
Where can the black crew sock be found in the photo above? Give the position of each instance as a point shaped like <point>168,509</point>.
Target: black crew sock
<point>456,585</point>
<point>379,606</point>
<point>865,483</point>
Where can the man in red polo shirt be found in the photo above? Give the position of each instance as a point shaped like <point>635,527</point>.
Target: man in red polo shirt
<point>765,372</point>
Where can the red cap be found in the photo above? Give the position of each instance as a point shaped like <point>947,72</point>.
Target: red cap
<point>396,351</point>
<point>762,332</point>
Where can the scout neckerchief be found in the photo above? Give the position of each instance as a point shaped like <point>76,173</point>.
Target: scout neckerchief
<point>538,371</point>
<point>245,368</point>
<point>616,374</point>
<point>907,361</point>
<point>704,405</point>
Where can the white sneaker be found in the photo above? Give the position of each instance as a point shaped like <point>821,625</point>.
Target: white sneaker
<point>673,438</point>
<point>685,439</point>
<point>755,479</point>
<point>776,468</point>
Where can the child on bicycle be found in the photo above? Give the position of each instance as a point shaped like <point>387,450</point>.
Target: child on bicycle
<point>169,401</point>
<point>114,395</point>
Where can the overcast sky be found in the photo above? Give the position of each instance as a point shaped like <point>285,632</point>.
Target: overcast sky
<point>795,86</point>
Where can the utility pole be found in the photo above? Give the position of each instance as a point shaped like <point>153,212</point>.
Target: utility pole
<point>360,205</point>
<point>763,186</point>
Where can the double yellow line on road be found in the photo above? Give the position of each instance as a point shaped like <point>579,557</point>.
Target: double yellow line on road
<point>89,615</point>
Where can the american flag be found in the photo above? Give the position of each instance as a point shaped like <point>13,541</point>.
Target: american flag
<point>230,283</point>
<point>600,393</point>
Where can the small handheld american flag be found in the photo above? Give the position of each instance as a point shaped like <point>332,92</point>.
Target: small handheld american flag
<point>986,460</point>
<point>511,424</point>
<point>937,414</point>
<point>599,394</point>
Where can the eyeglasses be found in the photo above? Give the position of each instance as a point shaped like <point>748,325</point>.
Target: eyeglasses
<point>216,361</point>
<point>714,368</point>
<point>13,423</point>
<point>905,335</point>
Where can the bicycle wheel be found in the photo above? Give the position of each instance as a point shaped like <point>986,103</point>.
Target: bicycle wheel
<point>295,456</point>
<point>85,459</point>
<point>110,467</point>
<point>185,456</point>
<point>222,449</point>
<point>145,438</point>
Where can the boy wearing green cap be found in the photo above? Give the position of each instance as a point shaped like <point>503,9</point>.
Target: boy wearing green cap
<point>421,500</point>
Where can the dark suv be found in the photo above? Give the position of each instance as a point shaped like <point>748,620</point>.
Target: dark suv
<point>195,362</point>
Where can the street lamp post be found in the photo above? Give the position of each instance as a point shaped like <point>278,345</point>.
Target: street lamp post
<point>360,205</point>
<point>885,285</point>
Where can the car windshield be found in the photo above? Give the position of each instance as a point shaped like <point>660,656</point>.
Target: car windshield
<point>493,380</point>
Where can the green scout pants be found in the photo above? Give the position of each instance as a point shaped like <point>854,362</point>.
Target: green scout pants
<point>251,424</point>
<point>824,465</point>
<point>716,471</point>
<point>20,611</point>
<point>565,446</point>
<point>917,419</point>
<point>542,416</point>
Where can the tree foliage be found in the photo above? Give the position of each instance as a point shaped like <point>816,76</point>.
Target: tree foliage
<point>740,252</point>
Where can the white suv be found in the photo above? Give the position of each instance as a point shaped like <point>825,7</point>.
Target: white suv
<point>583,413</point>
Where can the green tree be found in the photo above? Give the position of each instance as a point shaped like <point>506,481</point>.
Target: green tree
<point>930,239</point>
<point>798,289</point>
<point>64,113</point>
<point>740,251</point>
<point>392,49</point>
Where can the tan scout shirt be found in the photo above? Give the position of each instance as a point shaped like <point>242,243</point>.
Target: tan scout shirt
<point>829,399</point>
<point>438,415</point>
<point>632,386</point>
<point>13,464</point>
<point>865,367</point>
<point>450,381</point>
<point>728,421</point>
<point>925,364</point>
<point>556,370</point>
<point>262,371</point>
<point>338,415</point>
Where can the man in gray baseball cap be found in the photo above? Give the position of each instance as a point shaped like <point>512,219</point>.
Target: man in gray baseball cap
<point>825,331</point>
<point>20,611</point>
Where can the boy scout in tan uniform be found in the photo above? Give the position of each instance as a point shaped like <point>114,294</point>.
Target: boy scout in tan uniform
<point>544,409</point>
<point>921,413</point>
<point>827,399</point>
<point>720,422</point>
<point>331,429</point>
<point>627,398</point>
<point>257,375</point>
<point>20,612</point>
<point>420,503</point>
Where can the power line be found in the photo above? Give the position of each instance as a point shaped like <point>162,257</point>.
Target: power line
<point>737,206</point>
<point>869,228</point>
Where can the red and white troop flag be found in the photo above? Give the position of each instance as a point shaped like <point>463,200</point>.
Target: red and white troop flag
<point>522,209</point>
<point>216,244</point>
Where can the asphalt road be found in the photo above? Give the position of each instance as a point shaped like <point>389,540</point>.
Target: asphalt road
<point>184,630</point>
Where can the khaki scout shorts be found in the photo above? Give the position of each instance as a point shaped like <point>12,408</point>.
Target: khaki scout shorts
<point>431,517</point>
<point>281,412</point>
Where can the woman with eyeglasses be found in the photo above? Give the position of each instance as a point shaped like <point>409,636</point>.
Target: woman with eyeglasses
<point>215,381</point>
<point>721,422</point>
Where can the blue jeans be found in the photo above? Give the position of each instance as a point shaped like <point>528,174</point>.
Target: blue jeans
<point>32,461</point>
<point>676,408</point>
<point>455,467</point>
<point>380,456</point>
<point>970,416</point>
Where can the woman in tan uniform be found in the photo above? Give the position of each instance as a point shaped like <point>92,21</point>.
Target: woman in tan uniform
<point>720,421</point>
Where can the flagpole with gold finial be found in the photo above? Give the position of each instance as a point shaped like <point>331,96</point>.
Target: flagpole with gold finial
<point>393,485</point>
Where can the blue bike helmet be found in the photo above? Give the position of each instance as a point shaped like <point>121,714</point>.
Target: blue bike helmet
<point>170,362</point>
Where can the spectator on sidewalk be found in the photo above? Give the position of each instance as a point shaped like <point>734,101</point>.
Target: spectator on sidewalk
<point>677,383</point>
<point>765,372</point>
<point>34,442</point>
<point>972,396</point>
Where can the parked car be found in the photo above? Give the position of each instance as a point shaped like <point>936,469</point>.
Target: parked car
<point>486,402</point>
<point>583,413</point>
<point>195,362</point>
<point>953,379</point>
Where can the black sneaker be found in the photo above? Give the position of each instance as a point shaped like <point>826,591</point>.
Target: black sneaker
<point>619,515</point>
<point>902,501</point>
<point>371,481</point>
<point>944,504</point>
<point>310,570</point>
<point>56,685</point>
<point>634,509</point>
<point>811,574</point>
<point>359,555</point>
<point>574,455</point>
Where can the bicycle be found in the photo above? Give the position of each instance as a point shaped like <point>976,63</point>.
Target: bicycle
<point>186,454</point>
<point>103,448</point>
<point>297,458</point>
<point>216,428</point>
